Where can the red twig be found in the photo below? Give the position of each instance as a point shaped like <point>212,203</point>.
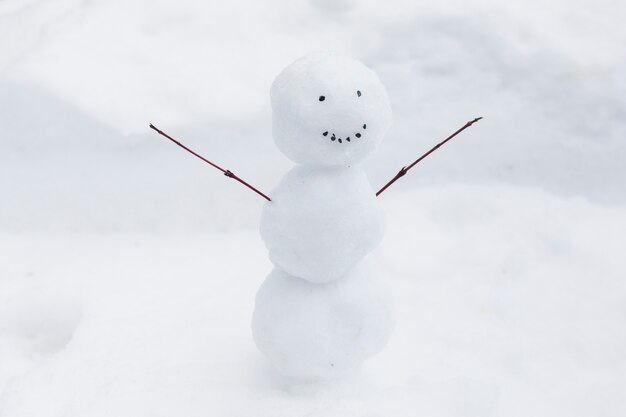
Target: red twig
<point>226,172</point>
<point>405,169</point>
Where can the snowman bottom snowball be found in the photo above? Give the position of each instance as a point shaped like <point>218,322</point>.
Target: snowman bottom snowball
<point>322,331</point>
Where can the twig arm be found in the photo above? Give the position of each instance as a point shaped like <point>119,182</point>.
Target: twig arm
<point>399,175</point>
<point>226,172</point>
<point>405,169</point>
<point>232,175</point>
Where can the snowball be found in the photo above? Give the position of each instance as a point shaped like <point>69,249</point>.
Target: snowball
<point>328,110</point>
<point>321,222</point>
<point>322,331</point>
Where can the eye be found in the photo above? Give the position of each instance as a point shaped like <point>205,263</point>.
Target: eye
<point>322,98</point>
<point>358,93</point>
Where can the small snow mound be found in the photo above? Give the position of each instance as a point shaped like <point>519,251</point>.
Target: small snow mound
<point>40,320</point>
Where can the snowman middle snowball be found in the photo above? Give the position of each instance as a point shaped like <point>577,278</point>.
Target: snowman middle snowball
<point>322,311</point>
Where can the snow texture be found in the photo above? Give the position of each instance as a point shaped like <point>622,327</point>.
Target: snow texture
<point>328,110</point>
<point>128,269</point>
<point>323,331</point>
<point>321,222</point>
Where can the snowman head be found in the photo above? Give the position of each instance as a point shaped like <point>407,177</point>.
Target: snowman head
<point>328,110</point>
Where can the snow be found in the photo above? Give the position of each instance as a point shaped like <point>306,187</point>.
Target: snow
<point>323,310</point>
<point>328,110</point>
<point>128,269</point>
<point>321,222</point>
<point>323,217</point>
<point>528,319</point>
<point>313,331</point>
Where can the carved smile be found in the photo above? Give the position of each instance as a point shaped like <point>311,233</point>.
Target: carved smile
<point>334,138</point>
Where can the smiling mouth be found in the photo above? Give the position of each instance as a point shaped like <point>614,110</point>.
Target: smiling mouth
<point>334,138</point>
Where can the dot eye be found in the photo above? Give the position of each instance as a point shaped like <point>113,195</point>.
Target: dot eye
<point>358,93</point>
<point>322,98</point>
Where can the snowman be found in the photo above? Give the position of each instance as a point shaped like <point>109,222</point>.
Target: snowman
<point>323,310</point>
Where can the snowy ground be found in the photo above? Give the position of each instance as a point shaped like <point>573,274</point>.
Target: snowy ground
<point>128,270</point>
<point>511,308</point>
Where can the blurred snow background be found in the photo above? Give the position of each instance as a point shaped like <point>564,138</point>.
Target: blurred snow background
<point>128,269</point>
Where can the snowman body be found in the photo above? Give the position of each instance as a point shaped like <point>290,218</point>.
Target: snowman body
<point>324,309</point>
<point>335,223</point>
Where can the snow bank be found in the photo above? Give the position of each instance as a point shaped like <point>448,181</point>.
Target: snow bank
<point>79,82</point>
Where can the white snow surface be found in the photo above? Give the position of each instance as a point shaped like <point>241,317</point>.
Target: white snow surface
<point>128,269</point>
<point>526,320</point>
